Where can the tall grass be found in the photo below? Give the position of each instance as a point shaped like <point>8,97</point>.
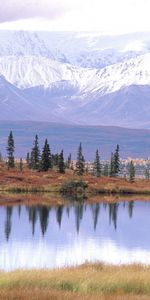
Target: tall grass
<point>84,282</point>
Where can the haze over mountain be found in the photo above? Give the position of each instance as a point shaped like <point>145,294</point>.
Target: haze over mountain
<point>77,78</point>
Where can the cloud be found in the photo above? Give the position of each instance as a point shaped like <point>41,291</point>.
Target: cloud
<point>12,10</point>
<point>109,16</point>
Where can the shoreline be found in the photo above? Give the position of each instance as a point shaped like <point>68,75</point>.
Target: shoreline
<point>33,183</point>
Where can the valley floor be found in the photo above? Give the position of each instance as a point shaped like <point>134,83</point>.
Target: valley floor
<point>86,282</point>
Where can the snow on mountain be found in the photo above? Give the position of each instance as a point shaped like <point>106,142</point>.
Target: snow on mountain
<point>27,72</point>
<point>80,49</point>
<point>75,78</point>
<point>30,71</point>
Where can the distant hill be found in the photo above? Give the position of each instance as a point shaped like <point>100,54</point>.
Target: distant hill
<point>133,142</point>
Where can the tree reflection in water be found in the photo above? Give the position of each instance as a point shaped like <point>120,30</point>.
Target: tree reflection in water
<point>41,213</point>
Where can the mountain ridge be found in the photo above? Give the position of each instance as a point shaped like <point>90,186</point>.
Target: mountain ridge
<point>46,87</point>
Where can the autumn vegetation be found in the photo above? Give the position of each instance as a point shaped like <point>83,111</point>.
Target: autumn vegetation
<point>91,282</point>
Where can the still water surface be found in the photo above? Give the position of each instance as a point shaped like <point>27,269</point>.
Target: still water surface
<point>49,237</point>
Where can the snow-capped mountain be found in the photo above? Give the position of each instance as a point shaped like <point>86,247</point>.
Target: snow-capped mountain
<point>81,49</point>
<point>32,71</point>
<point>75,78</point>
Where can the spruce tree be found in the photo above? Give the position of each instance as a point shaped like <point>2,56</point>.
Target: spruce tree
<point>80,164</point>
<point>10,151</point>
<point>61,164</point>
<point>35,154</point>
<point>97,165</point>
<point>112,166</point>
<point>116,161</point>
<point>46,158</point>
<point>28,159</point>
<point>131,171</point>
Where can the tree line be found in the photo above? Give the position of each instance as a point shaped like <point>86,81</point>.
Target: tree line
<point>45,160</point>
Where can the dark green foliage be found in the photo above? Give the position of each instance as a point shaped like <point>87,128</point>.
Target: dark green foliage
<point>131,172</point>
<point>46,158</point>
<point>116,161</point>
<point>112,166</point>
<point>80,164</point>
<point>28,159</point>
<point>35,155</point>
<point>73,187</point>
<point>10,151</point>
<point>97,165</point>
<point>61,164</point>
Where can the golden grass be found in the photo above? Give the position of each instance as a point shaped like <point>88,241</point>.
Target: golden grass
<point>84,282</point>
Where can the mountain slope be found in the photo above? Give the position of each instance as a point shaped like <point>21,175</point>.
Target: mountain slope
<point>43,89</point>
<point>31,71</point>
<point>38,80</point>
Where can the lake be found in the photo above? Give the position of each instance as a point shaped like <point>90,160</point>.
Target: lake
<point>51,237</point>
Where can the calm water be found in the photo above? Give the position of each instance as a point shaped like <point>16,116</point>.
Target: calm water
<point>48,237</point>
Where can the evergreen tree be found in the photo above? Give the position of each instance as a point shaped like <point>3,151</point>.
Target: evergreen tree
<point>131,172</point>
<point>112,165</point>
<point>116,161</point>
<point>80,164</point>
<point>61,164</point>
<point>28,159</point>
<point>97,165</point>
<point>35,154</point>
<point>46,159</point>
<point>10,151</point>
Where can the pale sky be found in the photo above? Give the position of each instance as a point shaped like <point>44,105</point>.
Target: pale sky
<point>106,16</point>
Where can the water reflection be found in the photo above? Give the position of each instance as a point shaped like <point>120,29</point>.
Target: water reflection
<point>72,234</point>
<point>42,212</point>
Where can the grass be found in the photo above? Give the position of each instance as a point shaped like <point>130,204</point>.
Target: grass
<point>30,181</point>
<point>84,282</point>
